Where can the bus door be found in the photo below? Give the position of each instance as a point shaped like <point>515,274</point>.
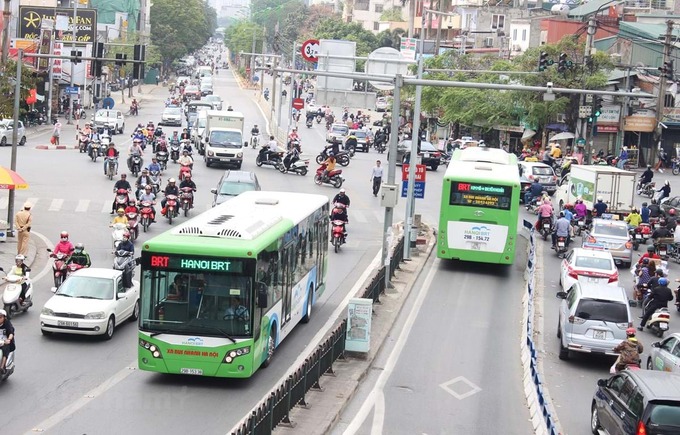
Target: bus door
<point>287,280</point>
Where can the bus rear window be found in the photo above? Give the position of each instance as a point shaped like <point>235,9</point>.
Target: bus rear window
<point>480,195</point>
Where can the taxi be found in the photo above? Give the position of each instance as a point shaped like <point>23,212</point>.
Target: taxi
<point>665,355</point>
<point>591,265</point>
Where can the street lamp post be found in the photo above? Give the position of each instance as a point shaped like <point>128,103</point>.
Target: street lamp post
<point>73,64</point>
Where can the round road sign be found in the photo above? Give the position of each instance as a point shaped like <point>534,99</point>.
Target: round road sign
<point>310,50</point>
<point>108,103</point>
<point>298,103</point>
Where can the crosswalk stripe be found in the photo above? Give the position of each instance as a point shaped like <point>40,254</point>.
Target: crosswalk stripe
<point>83,204</point>
<point>4,201</point>
<point>106,208</point>
<point>33,201</point>
<point>359,216</point>
<point>56,205</point>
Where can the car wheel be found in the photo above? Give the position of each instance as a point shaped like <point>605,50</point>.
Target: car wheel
<point>46,333</point>
<point>135,312</point>
<point>3,142</point>
<point>649,364</point>
<point>22,142</point>
<point>564,352</point>
<point>594,420</point>
<point>308,311</point>
<point>110,326</point>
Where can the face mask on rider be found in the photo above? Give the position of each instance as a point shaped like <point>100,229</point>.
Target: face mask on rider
<point>64,239</point>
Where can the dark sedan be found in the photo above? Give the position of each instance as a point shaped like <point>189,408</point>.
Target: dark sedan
<point>430,156</point>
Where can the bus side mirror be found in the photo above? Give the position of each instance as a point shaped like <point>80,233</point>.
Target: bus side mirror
<point>262,295</point>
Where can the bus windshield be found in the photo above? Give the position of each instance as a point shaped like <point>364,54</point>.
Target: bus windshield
<point>215,301</point>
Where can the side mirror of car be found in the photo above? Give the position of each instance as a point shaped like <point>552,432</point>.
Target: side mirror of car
<point>245,143</point>
<point>53,289</point>
<point>561,295</point>
<point>213,191</point>
<point>601,382</point>
<point>120,295</point>
<point>656,344</point>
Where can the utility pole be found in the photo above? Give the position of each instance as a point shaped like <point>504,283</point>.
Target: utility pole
<point>661,98</point>
<point>581,124</point>
<point>439,27</point>
<point>6,14</point>
<point>292,91</point>
<point>15,139</point>
<point>252,56</point>
<point>411,17</point>
<point>391,169</point>
<point>73,64</point>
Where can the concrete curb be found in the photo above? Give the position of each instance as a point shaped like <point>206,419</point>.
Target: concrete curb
<point>340,388</point>
<point>56,147</point>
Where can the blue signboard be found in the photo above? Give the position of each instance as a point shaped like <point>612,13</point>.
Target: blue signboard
<point>418,189</point>
<point>71,90</point>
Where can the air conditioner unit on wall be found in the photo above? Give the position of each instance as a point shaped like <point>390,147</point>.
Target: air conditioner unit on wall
<point>488,42</point>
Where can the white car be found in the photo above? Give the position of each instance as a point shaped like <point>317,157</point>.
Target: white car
<point>91,301</point>
<point>172,116</point>
<point>113,118</point>
<point>665,355</point>
<point>594,266</point>
<point>7,132</point>
<point>381,104</point>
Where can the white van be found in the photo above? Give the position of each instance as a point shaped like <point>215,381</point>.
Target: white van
<point>203,71</point>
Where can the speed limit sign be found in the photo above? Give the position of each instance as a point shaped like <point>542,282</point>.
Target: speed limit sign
<point>310,50</point>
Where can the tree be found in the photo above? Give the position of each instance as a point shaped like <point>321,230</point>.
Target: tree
<point>392,14</point>
<point>239,37</point>
<point>335,28</point>
<point>390,38</point>
<point>7,86</point>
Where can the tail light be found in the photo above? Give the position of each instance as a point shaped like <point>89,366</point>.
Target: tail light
<point>614,277</point>
<point>554,178</point>
<point>576,320</point>
<point>592,239</point>
<point>530,177</point>
<point>437,154</point>
<point>664,316</point>
<point>624,325</point>
<point>641,429</point>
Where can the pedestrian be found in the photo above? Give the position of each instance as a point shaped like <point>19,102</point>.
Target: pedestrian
<point>376,177</point>
<point>22,222</point>
<point>56,132</point>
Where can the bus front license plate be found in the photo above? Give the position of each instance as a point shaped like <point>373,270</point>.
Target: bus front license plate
<point>185,371</point>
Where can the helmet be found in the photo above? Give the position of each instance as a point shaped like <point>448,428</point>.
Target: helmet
<point>663,281</point>
<point>649,166</point>
<point>19,258</point>
<point>599,199</point>
<point>342,190</point>
<point>63,235</point>
<point>120,211</point>
<point>667,183</point>
<point>172,180</point>
<point>557,145</point>
<point>645,261</point>
<point>79,247</point>
<point>147,187</point>
<point>126,235</point>
<point>644,204</point>
<point>145,171</point>
<point>630,332</point>
<point>650,249</point>
<point>3,313</point>
<point>671,212</point>
<point>568,206</point>
<point>562,215</point>
<point>634,210</point>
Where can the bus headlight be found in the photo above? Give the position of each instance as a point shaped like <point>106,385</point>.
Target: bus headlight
<point>152,348</point>
<point>234,353</point>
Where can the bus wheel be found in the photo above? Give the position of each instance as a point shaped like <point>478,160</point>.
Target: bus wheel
<point>308,311</point>
<point>271,345</point>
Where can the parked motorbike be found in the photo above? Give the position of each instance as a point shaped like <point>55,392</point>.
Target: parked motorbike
<point>270,158</point>
<point>647,189</point>
<point>545,227</point>
<point>658,323</point>
<point>146,212</point>
<point>187,199</point>
<point>171,208</point>
<point>333,178</point>
<point>338,234</point>
<point>58,267</point>
<point>111,167</point>
<point>675,166</point>
<point>10,297</point>
<point>561,247</point>
<point>342,158</point>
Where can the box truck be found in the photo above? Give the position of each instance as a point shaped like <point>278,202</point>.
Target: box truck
<point>223,138</point>
<point>615,186</point>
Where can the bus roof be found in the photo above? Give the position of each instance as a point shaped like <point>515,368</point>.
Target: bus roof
<point>483,164</point>
<point>246,218</point>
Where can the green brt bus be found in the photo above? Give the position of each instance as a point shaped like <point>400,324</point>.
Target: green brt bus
<point>221,291</point>
<point>480,206</point>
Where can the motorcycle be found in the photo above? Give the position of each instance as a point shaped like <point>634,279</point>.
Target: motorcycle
<point>270,158</point>
<point>309,123</point>
<point>125,262</point>
<point>10,297</point>
<point>156,181</point>
<point>184,170</point>
<point>147,212</point>
<point>9,367</point>
<point>658,323</point>
<point>171,208</point>
<point>254,141</point>
<point>318,119</point>
<point>187,199</point>
<point>95,150</point>
<point>647,189</point>
<point>117,234</point>
<point>661,246</point>
<point>579,225</point>
<point>545,227</point>
<point>174,151</point>
<point>133,224</point>
<point>72,268</point>
<point>561,246</point>
<point>334,178</point>
<point>675,166</point>
<point>59,267</point>
<point>162,157</point>
<point>298,166</point>
<point>82,143</point>
<point>338,234</point>
<point>381,147</point>
<point>135,165</point>
<point>111,167</point>
<point>342,157</point>
<point>122,198</point>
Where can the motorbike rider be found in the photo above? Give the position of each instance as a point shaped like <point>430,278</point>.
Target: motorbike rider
<point>329,166</point>
<point>175,139</point>
<point>339,213</point>
<point>545,210</point>
<point>664,191</point>
<point>80,256</point>
<point>555,153</point>
<point>644,213</point>
<point>645,178</point>
<point>633,219</point>
<point>254,132</point>
<point>185,159</point>
<point>148,196</point>
<point>654,209</point>
<point>658,298</point>
<point>135,150</point>
<point>272,148</point>
<point>170,189</point>
<point>568,213</point>
<point>127,246</point>
<point>110,153</point>
<point>629,351</point>
<point>341,198</point>
<point>142,181</point>
<point>188,182</point>
<point>600,207</point>
<point>7,339</point>
<point>63,246</point>
<point>650,254</point>
<point>580,209</point>
<point>533,191</point>
<point>292,156</point>
<point>293,136</point>
<point>154,166</point>
<point>310,117</point>
<point>184,136</point>
<point>120,184</point>
<point>21,269</point>
<point>351,142</point>
<point>562,229</point>
<point>672,219</point>
<point>134,107</point>
<point>120,217</point>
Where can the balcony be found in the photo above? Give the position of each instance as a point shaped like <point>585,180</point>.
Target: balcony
<point>648,5</point>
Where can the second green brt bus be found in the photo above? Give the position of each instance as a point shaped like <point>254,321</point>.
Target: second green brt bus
<point>479,211</point>
<point>221,291</point>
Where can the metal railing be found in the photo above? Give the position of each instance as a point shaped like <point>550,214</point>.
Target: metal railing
<point>275,409</point>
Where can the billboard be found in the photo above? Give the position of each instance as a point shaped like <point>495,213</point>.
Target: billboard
<point>343,63</point>
<point>31,17</point>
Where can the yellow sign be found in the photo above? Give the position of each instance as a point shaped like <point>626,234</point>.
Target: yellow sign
<point>645,124</point>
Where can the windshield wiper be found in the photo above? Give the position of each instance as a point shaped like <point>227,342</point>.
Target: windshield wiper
<point>214,328</point>
<point>89,297</point>
<point>63,294</point>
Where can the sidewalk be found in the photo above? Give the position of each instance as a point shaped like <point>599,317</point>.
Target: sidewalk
<point>8,250</point>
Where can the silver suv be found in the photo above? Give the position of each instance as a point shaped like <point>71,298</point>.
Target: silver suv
<point>593,319</point>
<point>613,235</point>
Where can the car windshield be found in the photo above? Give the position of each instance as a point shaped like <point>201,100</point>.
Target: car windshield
<point>173,111</point>
<point>104,114</point>
<point>191,89</point>
<point>542,170</point>
<point>610,230</point>
<point>233,189</point>
<point>594,263</point>
<point>202,122</point>
<point>608,311</point>
<point>666,414</point>
<point>225,139</point>
<point>86,287</point>
<point>339,129</point>
<point>360,134</point>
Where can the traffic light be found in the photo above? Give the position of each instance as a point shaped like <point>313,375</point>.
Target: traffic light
<point>562,64</point>
<point>76,56</point>
<point>120,59</point>
<point>543,61</point>
<point>667,70</point>
<point>138,68</point>
<point>98,54</point>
